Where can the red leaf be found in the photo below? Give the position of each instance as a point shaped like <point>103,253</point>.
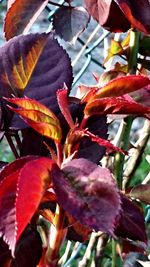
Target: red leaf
<point>137,12</point>
<point>15,166</point>
<point>105,143</point>
<point>115,105</point>
<point>16,190</point>
<point>21,15</point>
<point>108,14</point>
<point>35,173</point>
<point>8,188</point>
<point>118,87</point>
<point>62,98</point>
<point>88,193</point>
<point>74,138</point>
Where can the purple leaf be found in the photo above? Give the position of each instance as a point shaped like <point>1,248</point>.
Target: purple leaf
<point>88,193</point>
<point>36,66</point>
<point>69,22</point>
<point>131,221</point>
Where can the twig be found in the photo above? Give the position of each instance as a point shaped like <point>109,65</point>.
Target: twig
<point>124,143</point>
<point>101,244</point>
<point>65,255</point>
<point>147,179</point>
<point>74,254</point>
<point>87,256</point>
<point>11,144</point>
<point>135,159</point>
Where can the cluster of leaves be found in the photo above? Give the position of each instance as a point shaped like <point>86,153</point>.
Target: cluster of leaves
<point>61,139</point>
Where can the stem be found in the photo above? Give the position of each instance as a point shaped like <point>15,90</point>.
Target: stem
<point>11,144</point>
<point>136,157</point>
<point>59,153</point>
<point>87,256</point>
<point>113,253</point>
<point>83,123</point>
<point>133,54</point>
<point>57,236</point>
<point>124,143</point>
<point>127,122</point>
<point>101,244</point>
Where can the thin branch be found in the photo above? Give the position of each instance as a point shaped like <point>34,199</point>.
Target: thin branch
<point>11,144</point>
<point>87,256</point>
<point>136,157</point>
<point>101,244</point>
<point>74,254</point>
<point>66,254</point>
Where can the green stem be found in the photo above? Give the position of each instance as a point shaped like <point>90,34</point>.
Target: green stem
<point>127,122</point>
<point>114,254</point>
<point>124,143</point>
<point>133,51</point>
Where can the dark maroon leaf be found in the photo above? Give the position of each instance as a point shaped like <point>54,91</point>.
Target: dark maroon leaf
<point>29,244</point>
<point>137,12</point>
<point>29,249</point>
<point>131,221</point>
<point>5,255</point>
<point>91,150</point>
<point>69,22</point>
<point>108,14</point>
<point>88,193</point>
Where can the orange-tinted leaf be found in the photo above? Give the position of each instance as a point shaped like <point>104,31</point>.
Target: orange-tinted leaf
<point>141,192</point>
<point>27,183</point>
<point>62,98</point>
<point>119,86</point>
<point>115,105</point>
<point>38,116</point>
<point>21,15</point>
<point>137,12</point>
